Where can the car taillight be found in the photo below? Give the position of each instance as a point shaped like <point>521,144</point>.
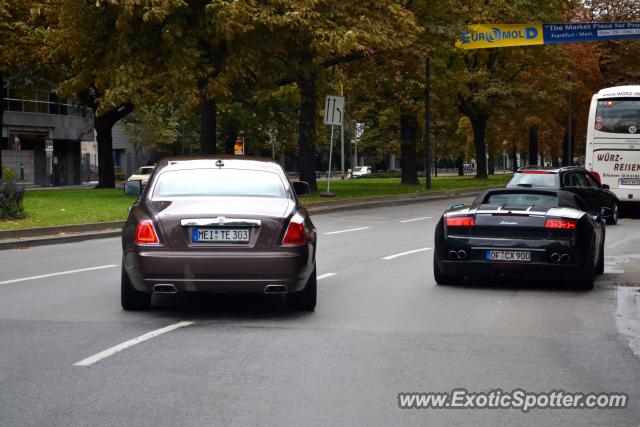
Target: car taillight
<point>296,234</point>
<point>145,233</point>
<point>561,223</point>
<point>461,221</point>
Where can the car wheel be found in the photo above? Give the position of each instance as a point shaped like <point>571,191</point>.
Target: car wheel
<point>600,263</point>
<point>614,217</point>
<point>586,278</point>
<point>441,278</point>
<point>306,298</point>
<point>131,299</point>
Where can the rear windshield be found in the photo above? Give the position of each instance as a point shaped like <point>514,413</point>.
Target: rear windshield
<point>618,115</point>
<point>144,171</point>
<point>219,183</point>
<point>523,199</point>
<point>548,180</point>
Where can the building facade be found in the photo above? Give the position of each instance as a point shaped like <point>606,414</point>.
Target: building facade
<point>34,119</point>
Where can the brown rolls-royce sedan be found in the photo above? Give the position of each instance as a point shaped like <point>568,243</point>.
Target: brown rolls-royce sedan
<point>218,225</point>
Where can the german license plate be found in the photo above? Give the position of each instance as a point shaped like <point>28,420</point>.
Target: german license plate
<point>630,181</point>
<point>233,235</point>
<point>508,256</point>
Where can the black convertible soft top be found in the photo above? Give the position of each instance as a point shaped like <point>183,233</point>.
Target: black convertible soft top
<point>565,198</point>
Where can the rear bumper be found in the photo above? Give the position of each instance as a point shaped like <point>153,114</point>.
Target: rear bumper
<point>533,270</point>
<point>220,272</point>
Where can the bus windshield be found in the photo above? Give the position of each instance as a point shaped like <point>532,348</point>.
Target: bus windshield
<point>618,115</point>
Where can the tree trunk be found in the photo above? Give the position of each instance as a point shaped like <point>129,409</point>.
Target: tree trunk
<point>103,125</point>
<point>514,158</point>
<point>208,110</point>
<point>533,145</point>
<point>1,121</point>
<point>104,137</point>
<point>491,161</point>
<point>307,130</point>
<point>479,124</point>
<point>460,164</point>
<point>408,146</point>
<point>230,142</point>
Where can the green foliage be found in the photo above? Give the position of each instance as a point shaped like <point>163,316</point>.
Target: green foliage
<point>11,197</point>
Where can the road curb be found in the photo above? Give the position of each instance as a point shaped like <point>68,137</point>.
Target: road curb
<point>25,238</point>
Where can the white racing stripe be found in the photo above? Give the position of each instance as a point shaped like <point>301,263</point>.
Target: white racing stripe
<point>406,253</point>
<point>325,276</point>
<point>347,231</point>
<point>416,219</point>
<point>113,350</point>
<point>61,273</point>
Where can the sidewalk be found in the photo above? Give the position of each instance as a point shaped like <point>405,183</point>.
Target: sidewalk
<point>24,238</point>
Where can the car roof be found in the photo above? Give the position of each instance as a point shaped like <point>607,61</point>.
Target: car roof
<point>565,198</point>
<point>548,169</point>
<point>232,162</point>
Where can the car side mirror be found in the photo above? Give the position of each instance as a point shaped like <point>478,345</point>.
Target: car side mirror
<point>301,188</point>
<point>606,187</point>
<point>133,188</point>
<point>606,213</point>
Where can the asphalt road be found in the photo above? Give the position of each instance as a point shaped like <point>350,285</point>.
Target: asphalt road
<point>382,326</point>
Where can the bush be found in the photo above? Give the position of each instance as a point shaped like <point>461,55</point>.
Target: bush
<point>11,198</point>
<point>8,174</point>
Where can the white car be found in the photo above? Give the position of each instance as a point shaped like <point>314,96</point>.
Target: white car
<point>143,174</point>
<point>361,171</point>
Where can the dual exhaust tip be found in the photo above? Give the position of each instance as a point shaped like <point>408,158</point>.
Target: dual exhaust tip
<point>168,288</point>
<point>457,255</point>
<point>560,258</point>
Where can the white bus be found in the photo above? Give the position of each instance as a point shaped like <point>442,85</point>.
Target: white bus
<point>613,140</point>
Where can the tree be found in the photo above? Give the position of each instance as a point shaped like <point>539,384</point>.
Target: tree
<point>16,44</point>
<point>84,49</point>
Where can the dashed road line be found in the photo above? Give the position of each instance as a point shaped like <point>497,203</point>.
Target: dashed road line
<point>61,273</point>
<point>113,350</point>
<point>325,276</point>
<point>416,219</point>
<point>390,257</point>
<point>347,231</point>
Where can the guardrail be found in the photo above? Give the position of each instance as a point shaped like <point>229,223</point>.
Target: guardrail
<point>46,107</point>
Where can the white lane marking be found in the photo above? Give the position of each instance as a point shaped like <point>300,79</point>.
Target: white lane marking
<point>113,350</point>
<point>61,273</point>
<point>347,231</point>
<point>325,276</point>
<point>406,253</point>
<point>416,219</point>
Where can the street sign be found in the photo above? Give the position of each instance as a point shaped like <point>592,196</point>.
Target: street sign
<point>48,148</point>
<point>333,110</point>
<point>238,147</point>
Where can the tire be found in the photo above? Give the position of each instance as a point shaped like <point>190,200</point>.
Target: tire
<point>305,299</point>
<point>616,213</point>
<point>600,263</point>
<point>441,278</point>
<point>130,299</point>
<point>586,278</point>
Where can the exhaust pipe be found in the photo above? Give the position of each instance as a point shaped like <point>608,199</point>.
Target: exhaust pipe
<point>164,288</point>
<point>461,255</point>
<point>453,255</point>
<point>275,289</point>
<point>555,257</point>
<point>565,259</point>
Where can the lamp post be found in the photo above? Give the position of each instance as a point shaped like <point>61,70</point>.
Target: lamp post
<point>568,144</point>
<point>427,124</point>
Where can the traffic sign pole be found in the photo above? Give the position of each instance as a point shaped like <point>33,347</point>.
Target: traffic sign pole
<point>330,156</point>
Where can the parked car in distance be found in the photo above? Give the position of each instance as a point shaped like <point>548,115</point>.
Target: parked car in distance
<point>361,171</point>
<point>142,174</point>
<point>522,233</point>
<point>571,178</point>
<point>218,225</point>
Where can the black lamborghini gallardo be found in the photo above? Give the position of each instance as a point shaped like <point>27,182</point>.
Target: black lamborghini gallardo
<point>522,233</point>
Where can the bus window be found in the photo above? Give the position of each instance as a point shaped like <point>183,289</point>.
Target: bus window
<point>618,115</point>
